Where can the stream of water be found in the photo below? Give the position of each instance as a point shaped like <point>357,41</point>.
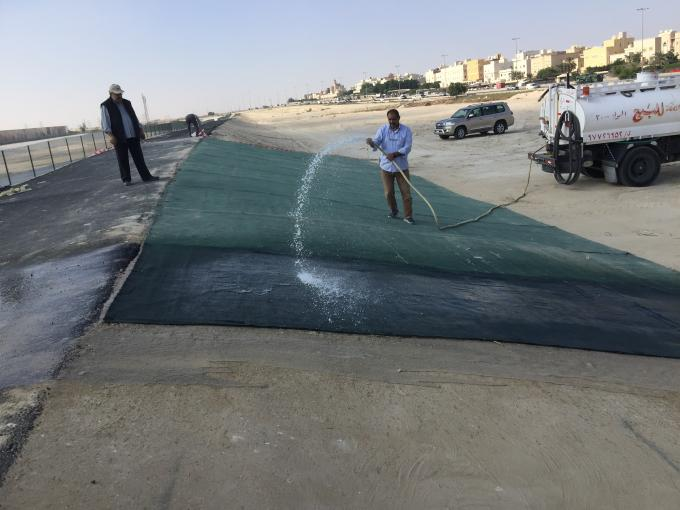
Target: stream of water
<point>336,295</point>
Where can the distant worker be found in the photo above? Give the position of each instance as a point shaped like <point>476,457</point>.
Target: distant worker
<point>120,123</point>
<point>396,140</point>
<point>193,119</point>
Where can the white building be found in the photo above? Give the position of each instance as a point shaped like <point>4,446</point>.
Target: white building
<point>522,62</point>
<point>446,76</point>
<point>456,73</point>
<point>413,76</point>
<point>649,48</point>
<point>335,90</point>
<point>370,81</point>
<point>492,69</point>
<point>505,75</point>
<point>432,75</point>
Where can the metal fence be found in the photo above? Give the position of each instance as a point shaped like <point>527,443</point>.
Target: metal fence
<point>26,161</point>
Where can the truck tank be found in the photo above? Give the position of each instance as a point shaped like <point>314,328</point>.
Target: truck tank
<point>629,110</point>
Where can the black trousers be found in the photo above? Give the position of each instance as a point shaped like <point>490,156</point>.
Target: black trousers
<point>135,148</point>
<point>195,124</point>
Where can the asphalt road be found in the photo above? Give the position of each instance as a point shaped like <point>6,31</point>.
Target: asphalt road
<point>64,242</point>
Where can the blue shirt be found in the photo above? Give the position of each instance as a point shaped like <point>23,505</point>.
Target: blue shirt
<point>390,140</point>
<point>127,121</point>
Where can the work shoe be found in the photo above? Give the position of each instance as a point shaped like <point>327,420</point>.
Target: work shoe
<point>127,183</point>
<point>393,215</point>
<point>152,178</point>
<point>410,221</point>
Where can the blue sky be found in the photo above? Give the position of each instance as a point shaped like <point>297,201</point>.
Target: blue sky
<point>59,57</point>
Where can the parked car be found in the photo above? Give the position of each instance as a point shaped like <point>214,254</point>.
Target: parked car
<point>476,118</point>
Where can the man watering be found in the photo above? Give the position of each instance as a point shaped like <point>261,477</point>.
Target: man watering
<point>395,140</point>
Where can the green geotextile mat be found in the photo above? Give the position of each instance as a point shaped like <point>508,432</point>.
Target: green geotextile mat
<point>237,196</point>
<point>223,251</point>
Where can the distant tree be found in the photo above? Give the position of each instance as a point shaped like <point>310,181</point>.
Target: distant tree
<point>456,89</point>
<point>624,71</point>
<point>516,75</point>
<point>662,60</point>
<point>632,58</point>
<point>83,127</point>
<point>291,100</point>
<point>548,73</point>
<point>591,70</point>
<point>367,88</point>
<point>568,65</point>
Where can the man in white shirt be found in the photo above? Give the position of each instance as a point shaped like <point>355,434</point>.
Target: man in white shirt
<point>396,140</point>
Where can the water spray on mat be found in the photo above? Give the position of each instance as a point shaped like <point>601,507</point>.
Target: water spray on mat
<point>336,295</point>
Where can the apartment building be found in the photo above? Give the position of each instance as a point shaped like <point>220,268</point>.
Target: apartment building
<point>494,67</point>
<point>505,74</point>
<point>433,75</point>
<point>447,75</point>
<point>610,50</point>
<point>648,47</point>
<point>545,59</point>
<point>475,69</point>
<point>521,63</point>
<point>413,76</point>
<point>359,84</point>
<point>669,40</point>
<point>459,72</point>
<point>575,53</point>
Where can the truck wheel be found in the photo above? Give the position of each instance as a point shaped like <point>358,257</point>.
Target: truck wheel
<point>460,133</point>
<point>444,137</point>
<point>640,167</point>
<point>500,127</point>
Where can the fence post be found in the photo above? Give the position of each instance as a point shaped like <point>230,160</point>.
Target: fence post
<point>69,150</point>
<point>6,169</point>
<point>106,145</point>
<point>83,144</point>
<point>49,147</point>
<point>31,158</point>
<point>94,143</point>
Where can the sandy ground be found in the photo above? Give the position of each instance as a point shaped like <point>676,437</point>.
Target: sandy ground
<point>207,417</point>
<point>642,221</point>
<point>204,417</point>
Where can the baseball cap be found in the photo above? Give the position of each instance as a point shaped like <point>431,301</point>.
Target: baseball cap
<point>115,89</point>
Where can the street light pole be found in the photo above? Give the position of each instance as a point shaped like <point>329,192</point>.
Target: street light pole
<point>398,80</point>
<point>642,10</point>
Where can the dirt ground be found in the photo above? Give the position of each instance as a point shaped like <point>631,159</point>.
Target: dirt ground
<point>202,417</point>
<point>207,417</point>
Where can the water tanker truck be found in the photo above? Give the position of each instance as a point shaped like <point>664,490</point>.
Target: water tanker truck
<point>620,131</point>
